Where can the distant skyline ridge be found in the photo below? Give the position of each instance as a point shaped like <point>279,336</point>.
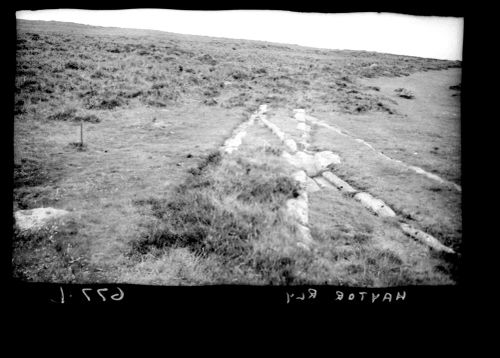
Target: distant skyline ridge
<point>421,36</point>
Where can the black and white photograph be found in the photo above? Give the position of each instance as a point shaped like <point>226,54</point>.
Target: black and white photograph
<point>169,148</point>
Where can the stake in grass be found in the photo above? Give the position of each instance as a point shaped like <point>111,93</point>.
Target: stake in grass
<point>79,145</point>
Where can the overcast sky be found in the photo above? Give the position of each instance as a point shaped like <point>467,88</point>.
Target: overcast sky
<point>422,36</point>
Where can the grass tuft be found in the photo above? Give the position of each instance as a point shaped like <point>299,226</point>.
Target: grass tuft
<point>81,147</point>
<point>223,211</point>
<point>70,115</point>
<point>63,259</point>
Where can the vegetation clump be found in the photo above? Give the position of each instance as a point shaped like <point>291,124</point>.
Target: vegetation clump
<point>161,70</point>
<point>223,211</point>
<point>70,115</point>
<point>404,93</point>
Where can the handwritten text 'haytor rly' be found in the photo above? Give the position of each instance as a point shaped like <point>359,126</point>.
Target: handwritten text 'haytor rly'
<point>311,294</point>
<point>373,297</point>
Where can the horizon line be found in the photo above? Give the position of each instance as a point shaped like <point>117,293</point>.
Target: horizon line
<point>272,41</point>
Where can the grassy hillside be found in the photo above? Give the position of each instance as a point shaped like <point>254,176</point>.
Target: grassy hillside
<point>63,65</point>
<point>150,202</point>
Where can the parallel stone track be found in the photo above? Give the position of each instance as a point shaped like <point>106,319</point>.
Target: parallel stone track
<point>413,168</point>
<point>233,142</point>
<point>297,208</point>
<point>313,174</point>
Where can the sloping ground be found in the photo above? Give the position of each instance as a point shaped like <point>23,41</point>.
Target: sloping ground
<point>341,223</point>
<point>137,67</point>
<point>364,250</point>
<point>433,206</point>
<point>350,245</point>
<point>132,155</point>
<point>152,202</point>
<point>225,221</point>
<point>424,131</point>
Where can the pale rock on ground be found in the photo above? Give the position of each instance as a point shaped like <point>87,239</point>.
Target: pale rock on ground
<point>36,218</point>
<point>300,115</point>
<point>339,183</point>
<point>274,128</point>
<point>311,164</point>
<point>232,143</point>
<point>324,184</point>
<point>376,205</point>
<point>303,127</point>
<point>312,186</point>
<point>324,159</point>
<point>298,208</point>
<point>425,238</point>
<point>302,161</point>
<point>301,177</point>
<point>305,234</point>
<point>291,145</point>
<point>304,139</point>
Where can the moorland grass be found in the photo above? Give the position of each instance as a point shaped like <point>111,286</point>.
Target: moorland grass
<point>134,68</point>
<point>226,222</point>
<point>229,215</point>
<point>222,211</point>
<point>63,254</point>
